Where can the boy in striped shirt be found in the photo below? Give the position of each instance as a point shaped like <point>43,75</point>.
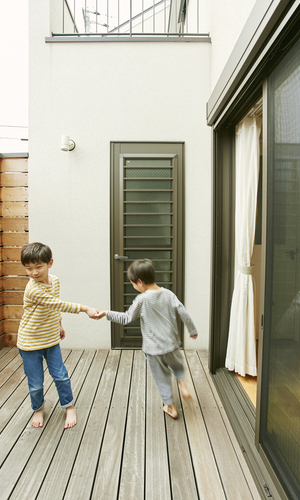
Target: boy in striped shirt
<point>158,310</point>
<point>41,331</point>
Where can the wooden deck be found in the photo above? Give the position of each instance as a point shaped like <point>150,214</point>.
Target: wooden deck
<point>123,446</point>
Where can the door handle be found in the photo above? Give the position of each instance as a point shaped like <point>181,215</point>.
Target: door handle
<point>292,253</point>
<point>120,257</point>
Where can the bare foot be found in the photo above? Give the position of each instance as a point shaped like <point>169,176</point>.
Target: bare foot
<point>183,389</point>
<point>170,410</point>
<point>71,419</point>
<point>38,418</point>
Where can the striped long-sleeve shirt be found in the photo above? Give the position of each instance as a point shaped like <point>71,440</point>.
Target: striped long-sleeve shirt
<point>40,324</point>
<point>158,311</point>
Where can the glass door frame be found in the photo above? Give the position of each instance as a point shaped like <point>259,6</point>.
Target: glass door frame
<point>224,111</point>
<point>263,262</point>
<point>264,338</point>
<point>246,423</point>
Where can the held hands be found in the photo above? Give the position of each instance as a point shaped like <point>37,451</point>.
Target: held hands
<point>101,314</point>
<point>90,311</point>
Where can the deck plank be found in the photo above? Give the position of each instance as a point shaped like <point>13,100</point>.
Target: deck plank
<point>7,358</point>
<point>23,448</point>
<point>80,485</point>
<point>40,460</point>
<point>64,443</point>
<point>133,467</point>
<point>9,370</point>
<point>11,385</point>
<point>4,351</point>
<point>21,418</point>
<point>233,479</point>
<point>156,446</point>
<point>123,446</point>
<point>10,402</point>
<point>108,471</point>
<point>241,457</point>
<point>205,466</point>
<point>181,469</point>
<point>20,396</point>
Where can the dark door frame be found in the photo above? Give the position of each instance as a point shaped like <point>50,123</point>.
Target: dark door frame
<point>119,152</point>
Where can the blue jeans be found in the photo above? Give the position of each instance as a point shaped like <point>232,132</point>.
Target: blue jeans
<point>34,371</point>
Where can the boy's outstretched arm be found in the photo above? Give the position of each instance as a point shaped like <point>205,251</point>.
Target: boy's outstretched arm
<point>90,311</point>
<point>123,317</point>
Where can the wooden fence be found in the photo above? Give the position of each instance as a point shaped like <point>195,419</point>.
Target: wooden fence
<point>14,234</point>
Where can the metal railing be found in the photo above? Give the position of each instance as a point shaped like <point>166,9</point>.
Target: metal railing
<point>130,18</point>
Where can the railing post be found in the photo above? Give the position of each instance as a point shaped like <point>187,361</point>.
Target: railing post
<point>107,15</point>
<point>130,18</point>
<point>96,16</point>
<point>153,16</point>
<point>186,20</point>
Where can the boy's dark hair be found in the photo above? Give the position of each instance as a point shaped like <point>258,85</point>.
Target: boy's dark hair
<point>143,270</point>
<point>35,252</point>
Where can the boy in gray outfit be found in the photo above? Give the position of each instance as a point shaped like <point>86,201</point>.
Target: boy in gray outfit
<point>158,310</point>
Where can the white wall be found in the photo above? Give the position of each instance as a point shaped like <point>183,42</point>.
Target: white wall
<point>97,93</point>
<point>226,23</point>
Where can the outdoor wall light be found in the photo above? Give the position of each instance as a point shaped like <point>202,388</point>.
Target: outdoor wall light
<point>66,143</point>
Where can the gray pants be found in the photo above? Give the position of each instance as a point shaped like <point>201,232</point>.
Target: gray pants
<point>162,366</point>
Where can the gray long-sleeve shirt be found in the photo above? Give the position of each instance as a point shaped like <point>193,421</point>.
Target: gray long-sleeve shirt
<point>158,311</point>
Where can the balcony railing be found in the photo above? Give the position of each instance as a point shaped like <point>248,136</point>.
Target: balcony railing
<point>130,18</point>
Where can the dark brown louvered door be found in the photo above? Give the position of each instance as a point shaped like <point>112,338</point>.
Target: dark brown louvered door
<point>147,209</point>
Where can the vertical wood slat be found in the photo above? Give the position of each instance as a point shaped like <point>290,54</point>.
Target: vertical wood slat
<point>14,234</point>
<point>109,466</point>
<point>81,485</point>
<point>224,453</point>
<point>209,484</point>
<point>133,466</point>
<point>180,462</point>
<point>156,459</point>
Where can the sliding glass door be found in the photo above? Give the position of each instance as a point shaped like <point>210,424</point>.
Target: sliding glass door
<point>280,398</point>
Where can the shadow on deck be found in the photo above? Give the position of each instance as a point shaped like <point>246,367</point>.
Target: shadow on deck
<point>123,446</point>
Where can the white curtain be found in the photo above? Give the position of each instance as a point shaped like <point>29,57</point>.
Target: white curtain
<point>241,349</point>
